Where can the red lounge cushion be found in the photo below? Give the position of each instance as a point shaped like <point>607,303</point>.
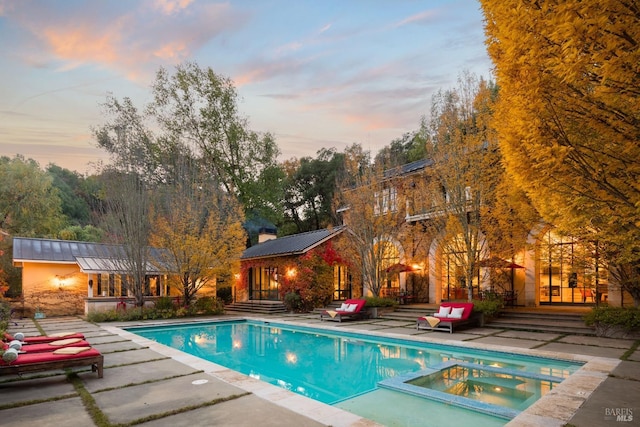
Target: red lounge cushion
<point>468,308</point>
<point>46,338</point>
<point>29,358</point>
<point>50,346</point>
<point>359,302</point>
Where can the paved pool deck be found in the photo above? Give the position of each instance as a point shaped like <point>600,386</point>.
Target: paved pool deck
<point>149,384</point>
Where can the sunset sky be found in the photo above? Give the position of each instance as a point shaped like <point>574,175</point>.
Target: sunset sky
<point>316,74</point>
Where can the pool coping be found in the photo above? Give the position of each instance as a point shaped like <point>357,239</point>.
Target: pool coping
<point>556,408</point>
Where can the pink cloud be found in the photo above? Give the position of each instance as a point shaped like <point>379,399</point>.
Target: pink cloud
<point>368,122</point>
<point>325,28</point>
<point>293,46</point>
<point>418,18</point>
<point>169,7</point>
<point>173,51</point>
<point>81,44</point>
<point>134,41</point>
<point>262,70</point>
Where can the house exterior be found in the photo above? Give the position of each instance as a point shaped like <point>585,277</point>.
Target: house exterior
<point>550,270</point>
<point>61,277</point>
<point>269,265</point>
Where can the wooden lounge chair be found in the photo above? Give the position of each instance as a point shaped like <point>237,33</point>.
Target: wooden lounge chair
<point>49,346</point>
<point>350,309</point>
<point>39,339</point>
<point>446,319</point>
<point>58,359</point>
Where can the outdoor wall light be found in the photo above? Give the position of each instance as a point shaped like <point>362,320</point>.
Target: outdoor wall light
<point>416,267</point>
<point>61,282</point>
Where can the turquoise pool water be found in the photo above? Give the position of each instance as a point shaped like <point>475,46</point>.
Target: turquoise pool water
<point>347,369</point>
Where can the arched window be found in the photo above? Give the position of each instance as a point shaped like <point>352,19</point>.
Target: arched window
<point>454,269</point>
<point>389,255</point>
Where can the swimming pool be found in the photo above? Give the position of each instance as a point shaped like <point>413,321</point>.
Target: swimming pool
<point>356,372</point>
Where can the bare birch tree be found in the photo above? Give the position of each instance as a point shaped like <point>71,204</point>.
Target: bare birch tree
<point>126,204</point>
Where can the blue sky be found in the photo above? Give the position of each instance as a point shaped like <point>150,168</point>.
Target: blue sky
<point>315,73</point>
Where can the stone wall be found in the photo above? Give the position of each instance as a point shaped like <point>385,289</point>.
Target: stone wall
<point>54,303</point>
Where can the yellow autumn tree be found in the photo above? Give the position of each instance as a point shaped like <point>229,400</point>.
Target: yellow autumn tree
<point>568,117</point>
<point>200,227</point>
<point>463,174</point>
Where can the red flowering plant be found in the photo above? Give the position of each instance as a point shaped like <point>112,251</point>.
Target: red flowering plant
<point>308,281</point>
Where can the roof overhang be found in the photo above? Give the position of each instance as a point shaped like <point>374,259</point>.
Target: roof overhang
<point>110,265</point>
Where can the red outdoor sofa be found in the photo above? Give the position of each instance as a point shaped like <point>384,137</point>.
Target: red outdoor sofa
<point>61,358</point>
<point>450,315</point>
<point>350,309</point>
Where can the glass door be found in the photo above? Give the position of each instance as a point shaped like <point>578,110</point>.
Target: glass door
<point>569,271</point>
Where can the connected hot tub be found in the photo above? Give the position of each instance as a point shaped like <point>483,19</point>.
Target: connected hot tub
<point>491,389</point>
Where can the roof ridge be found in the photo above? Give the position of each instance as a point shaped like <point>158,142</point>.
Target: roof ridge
<point>44,239</point>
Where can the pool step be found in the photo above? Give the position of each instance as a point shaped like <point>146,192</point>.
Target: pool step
<point>553,321</point>
<point>558,322</point>
<point>259,307</point>
<point>410,313</point>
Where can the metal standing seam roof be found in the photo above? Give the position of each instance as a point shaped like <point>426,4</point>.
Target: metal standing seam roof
<point>98,265</point>
<point>91,257</point>
<point>294,244</point>
<point>408,168</point>
<point>33,249</point>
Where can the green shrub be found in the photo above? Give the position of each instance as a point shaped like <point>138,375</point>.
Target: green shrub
<point>492,296</point>
<point>164,303</point>
<point>5,314</point>
<point>104,316</point>
<point>208,305</point>
<point>225,294</point>
<point>163,309</point>
<point>627,318</point>
<point>293,301</point>
<point>489,307</point>
<point>380,302</point>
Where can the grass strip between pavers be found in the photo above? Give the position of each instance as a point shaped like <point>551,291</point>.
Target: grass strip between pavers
<point>542,344</point>
<point>182,410</point>
<point>102,390</point>
<point>30,377</point>
<point>99,418</point>
<point>136,363</point>
<point>631,350</point>
<point>36,401</point>
<point>42,332</point>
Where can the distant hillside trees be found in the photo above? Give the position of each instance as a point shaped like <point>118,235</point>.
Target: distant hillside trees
<point>309,189</point>
<point>30,205</point>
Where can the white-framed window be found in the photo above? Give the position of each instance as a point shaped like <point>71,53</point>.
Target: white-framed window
<point>386,201</point>
<point>393,199</point>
